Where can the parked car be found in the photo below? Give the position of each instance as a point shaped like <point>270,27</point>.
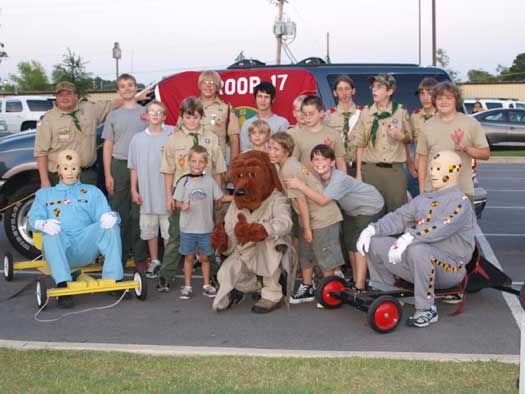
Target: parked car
<point>18,171</point>
<point>485,103</point>
<point>23,112</point>
<point>503,126</point>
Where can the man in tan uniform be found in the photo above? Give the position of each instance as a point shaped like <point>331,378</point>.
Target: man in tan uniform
<point>219,117</point>
<point>451,130</point>
<point>344,117</point>
<point>381,133</point>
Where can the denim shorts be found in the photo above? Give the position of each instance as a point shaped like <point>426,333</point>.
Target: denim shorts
<point>191,243</point>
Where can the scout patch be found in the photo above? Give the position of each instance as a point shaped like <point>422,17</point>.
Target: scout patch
<point>182,161</point>
<point>305,171</point>
<point>83,191</point>
<point>207,141</point>
<point>213,119</point>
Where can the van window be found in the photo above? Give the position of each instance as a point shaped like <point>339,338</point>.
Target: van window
<point>517,117</point>
<point>13,106</point>
<point>469,107</point>
<point>39,105</point>
<point>493,105</point>
<point>405,92</point>
<point>520,105</point>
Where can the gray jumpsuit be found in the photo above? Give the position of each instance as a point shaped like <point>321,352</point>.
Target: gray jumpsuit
<point>442,223</point>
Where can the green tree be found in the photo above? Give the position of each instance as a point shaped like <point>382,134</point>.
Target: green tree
<point>3,54</point>
<point>516,72</point>
<point>480,76</point>
<point>31,77</point>
<point>443,61</point>
<point>73,69</point>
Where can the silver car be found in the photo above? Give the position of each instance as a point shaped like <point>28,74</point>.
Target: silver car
<point>503,126</point>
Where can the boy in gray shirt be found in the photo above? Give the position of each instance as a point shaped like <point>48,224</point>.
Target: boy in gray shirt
<point>120,127</point>
<point>195,195</point>
<point>360,202</point>
<point>145,155</point>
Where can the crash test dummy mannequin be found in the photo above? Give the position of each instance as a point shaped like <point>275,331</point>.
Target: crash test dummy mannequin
<point>437,239</point>
<point>77,225</point>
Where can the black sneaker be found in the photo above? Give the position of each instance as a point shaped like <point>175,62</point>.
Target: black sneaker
<point>236,297</point>
<point>305,293</point>
<point>163,285</point>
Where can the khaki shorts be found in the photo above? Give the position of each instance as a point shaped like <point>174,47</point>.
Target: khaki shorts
<point>150,223</point>
<point>324,251</point>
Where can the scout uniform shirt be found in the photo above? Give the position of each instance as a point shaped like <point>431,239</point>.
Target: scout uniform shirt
<point>305,140</point>
<point>436,136</point>
<point>75,130</point>
<point>221,119</point>
<point>344,122</point>
<point>385,149</point>
<point>321,216</point>
<point>418,119</point>
<point>177,148</point>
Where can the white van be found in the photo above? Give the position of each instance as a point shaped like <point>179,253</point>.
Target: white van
<point>486,103</point>
<point>23,112</point>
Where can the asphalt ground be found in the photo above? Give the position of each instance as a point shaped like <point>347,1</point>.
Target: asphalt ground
<point>487,326</point>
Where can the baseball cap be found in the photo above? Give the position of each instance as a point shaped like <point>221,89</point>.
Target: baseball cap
<point>65,85</point>
<point>387,80</point>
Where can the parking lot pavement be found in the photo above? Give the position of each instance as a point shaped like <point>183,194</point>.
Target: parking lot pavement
<point>486,327</point>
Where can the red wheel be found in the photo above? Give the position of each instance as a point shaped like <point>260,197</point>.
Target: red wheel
<point>327,287</point>
<point>384,314</point>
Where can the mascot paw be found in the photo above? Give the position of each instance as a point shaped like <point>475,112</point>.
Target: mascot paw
<point>219,238</point>
<point>249,232</point>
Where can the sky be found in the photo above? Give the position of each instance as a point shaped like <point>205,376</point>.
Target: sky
<point>162,37</point>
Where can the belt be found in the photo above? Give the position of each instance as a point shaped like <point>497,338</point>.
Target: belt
<point>383,165</point>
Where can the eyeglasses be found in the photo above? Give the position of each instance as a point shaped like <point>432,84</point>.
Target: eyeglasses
<point>208,82</point>
<point>156,112</point>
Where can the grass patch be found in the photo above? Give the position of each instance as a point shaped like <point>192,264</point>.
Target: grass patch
<point>497,152</point>
<point>45,371</point>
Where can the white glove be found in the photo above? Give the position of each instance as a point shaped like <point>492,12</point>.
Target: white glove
<point>108,220</point>
<point>397,249</point>
<point>363,243</point>
<point>49,226</point>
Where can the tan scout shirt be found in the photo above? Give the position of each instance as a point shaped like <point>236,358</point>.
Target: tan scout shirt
<point>418,119</point>
<point>436,136</point>
<point>305,140</point>
<point>216,120</point>
<point>58,132</point>
<point>177,148</point>
<point>386,149</point>
<point>336,120</point>
<point>320,215</point>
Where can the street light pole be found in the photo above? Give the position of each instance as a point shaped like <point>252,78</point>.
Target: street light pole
<point>117,54</point>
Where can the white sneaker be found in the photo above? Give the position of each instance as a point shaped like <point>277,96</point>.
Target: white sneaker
<point>209,291</point>
<point>185,292</point>
<point>339,274</point>
<point>424,318</point>
<point>153,269</point>
<point>319,306</point>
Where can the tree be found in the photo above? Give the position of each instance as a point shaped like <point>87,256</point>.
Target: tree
<point>443,61</point>
<point>516,72</point>
<point>480,76</point>
<point>3,54</point>
<point>73,69</point>
<point>31,77</point>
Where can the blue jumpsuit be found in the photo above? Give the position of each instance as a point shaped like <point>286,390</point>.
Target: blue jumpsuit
<point>78,207</point>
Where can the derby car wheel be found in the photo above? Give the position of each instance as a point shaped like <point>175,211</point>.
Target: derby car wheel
<point>141,292</point>
<point>41,293</point>
<point>326,289</point>
<point>9,269</point>
<point>384,314</point>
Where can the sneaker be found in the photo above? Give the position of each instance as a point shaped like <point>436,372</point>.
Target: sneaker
<point>423,318</point>
<point>305,293</point>
<point>163,285</point>
<point>153,269</point>
<point>209,291</point>
<point>319,306</point>
<point>185,292</point>
<point>453,299</point>
<point>339,274</point>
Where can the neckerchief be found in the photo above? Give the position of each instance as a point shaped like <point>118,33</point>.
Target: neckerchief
<point>378,117</point>
<point>195,138</point>
<point>346,128</point>
<point>75,119</point>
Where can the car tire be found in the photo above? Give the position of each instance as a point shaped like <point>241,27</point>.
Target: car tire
<point>16,223</point>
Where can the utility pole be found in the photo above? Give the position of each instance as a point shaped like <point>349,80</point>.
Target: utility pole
<point>433,32</point>
<point>279,32</point>
<point>328,47</point>
<point>419,30</point>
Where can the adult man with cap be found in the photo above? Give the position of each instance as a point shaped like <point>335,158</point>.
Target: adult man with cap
<point>381,133</point>
<point>71,124</point>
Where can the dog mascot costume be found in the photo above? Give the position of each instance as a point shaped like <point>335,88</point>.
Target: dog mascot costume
<point>77,225</point>
<point>437,240</point>
<point>254,236</point>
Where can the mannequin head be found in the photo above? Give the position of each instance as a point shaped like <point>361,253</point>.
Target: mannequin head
<point>68,166</point>
<point>444,169</point>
